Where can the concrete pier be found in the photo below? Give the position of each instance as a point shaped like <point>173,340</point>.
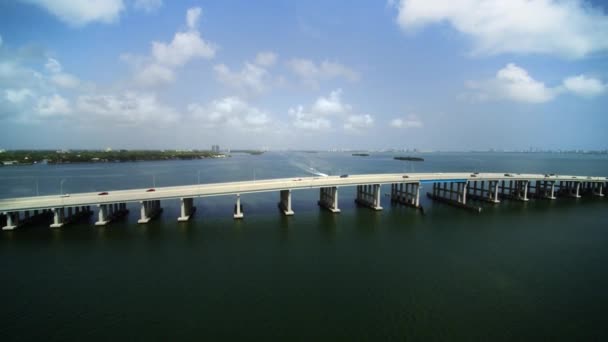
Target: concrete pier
<point>285,203</point>
<point>484,191</point>
<point>238,208</point>
<point>455,195</point>
<point>328,199</point>
<point>369,196</point>
<point>12,220</point>
<point>407,194</point>
<point>149,210</point>
<point>186,209</point>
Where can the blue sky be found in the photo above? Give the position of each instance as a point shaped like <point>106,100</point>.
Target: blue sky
<point>458,75</point>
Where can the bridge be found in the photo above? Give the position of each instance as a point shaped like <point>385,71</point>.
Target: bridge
<point>452,188</point>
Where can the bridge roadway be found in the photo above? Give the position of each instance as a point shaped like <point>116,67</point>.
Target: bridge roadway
<point>368,186</point>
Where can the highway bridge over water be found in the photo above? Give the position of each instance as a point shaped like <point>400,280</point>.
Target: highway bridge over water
<point>456,189</point>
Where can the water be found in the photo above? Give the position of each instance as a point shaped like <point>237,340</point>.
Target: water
<point>516,271</point>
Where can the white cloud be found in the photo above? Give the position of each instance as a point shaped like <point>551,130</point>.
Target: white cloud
<point>230,112</point>
<point>358,122</point>
<point>148,5</point>
<point>251,79</point>
<point>159,67</point>
<point>53,65</point>
<point>513,83</point>
<point>411,121</point>
<point>266,58</point>
<point>569,28</point>
<point>311,73</point>
<point>65,80</point>
<point>332,104</point>
<point>54,105</point>
<point>18,95</point>
<point>184,47</point>
<point>128,108</point>
<point>154,74</point>
<point>307,120</point>
<point>326,108</point>
<point>584,86</point>
<point>58,77</point>
<point>193,16</point>
<point>82,12</point>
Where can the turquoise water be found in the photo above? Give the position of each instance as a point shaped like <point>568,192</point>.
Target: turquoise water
<point>516,271</point>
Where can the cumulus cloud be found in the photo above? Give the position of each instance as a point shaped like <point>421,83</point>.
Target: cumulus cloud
<point>18,95</point>
<point>584,86</point>
<point>308,120</point>
<point>326,109</point>
<point>312,73</point>
<point>128,108</point>
<point>571,29</point>
<point>266,58</point>
<point>153,74</point>
<point>54,105</point>
<point>148,5</point>
<point>229,111</point>
<point>58,77</point>
<point>82,12</point>
<point>358,122</point>
<point>411,121</point>
<point>515,83</point>
<point>159,67</point>
<point>251,79</point>
<point>332,104</point>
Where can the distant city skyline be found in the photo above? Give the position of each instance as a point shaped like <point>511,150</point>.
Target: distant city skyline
<point>430,75</point>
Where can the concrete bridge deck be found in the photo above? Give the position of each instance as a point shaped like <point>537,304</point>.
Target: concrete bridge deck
<point>404,189</point>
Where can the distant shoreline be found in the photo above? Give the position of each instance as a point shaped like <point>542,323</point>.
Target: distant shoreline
<point>33,157</point>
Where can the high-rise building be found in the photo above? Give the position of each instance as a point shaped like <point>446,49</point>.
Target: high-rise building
<point>215,148</point>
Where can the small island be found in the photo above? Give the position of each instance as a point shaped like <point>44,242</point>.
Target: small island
<point>408,158</point>
<point>361,154</point>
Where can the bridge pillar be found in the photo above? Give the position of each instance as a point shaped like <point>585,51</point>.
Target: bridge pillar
<point>369,196</point>
<point>238,208</point>
<point>328,199</point>
<point>102,215</point>
<point>149,210</point>
<point>597,189</point>
<point>12,220</point>
<point>406,193</point>
<point>455,197</point>
<point>285,203</point>
<point>186,209</point>
<point>58,217</point>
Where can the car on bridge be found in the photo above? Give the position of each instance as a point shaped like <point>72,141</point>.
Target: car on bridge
<point>102,193</point>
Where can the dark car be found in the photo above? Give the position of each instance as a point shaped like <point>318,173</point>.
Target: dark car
<point>343,176</point>
<point>405,176</point>
<point>103,193</point>
<point>150,190</point>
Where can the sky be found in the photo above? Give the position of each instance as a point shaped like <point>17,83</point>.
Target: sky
<point>309,74</point>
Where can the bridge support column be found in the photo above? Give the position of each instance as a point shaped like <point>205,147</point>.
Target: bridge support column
<point>597,189</point>
<point>406,193</point>
<point>328,199</point>
<point>455,197</point>
<point>12,220</point>
<point>186,209</point>
<point>149,210</point>
<point>369,196</point>
<point>238,208</point>
<point>285,203</point>
<point>58,217</point>
<point>102,215</point>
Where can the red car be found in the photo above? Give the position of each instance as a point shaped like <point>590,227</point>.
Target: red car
<point>102,193</point>
<point>150,190</point>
